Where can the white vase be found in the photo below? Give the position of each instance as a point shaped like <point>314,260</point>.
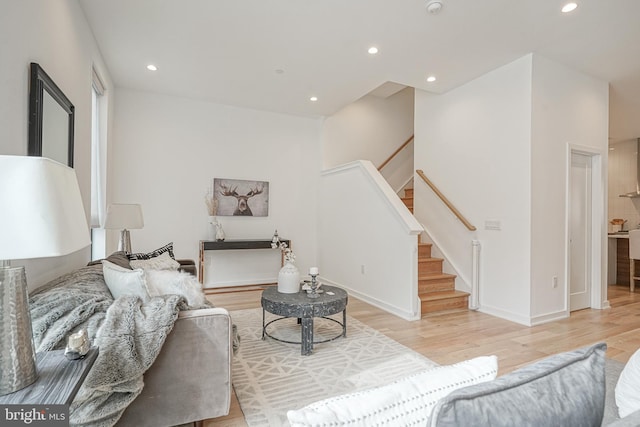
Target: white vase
<point>219,232</point>
<point>213,226</point>
<point>289,279</point>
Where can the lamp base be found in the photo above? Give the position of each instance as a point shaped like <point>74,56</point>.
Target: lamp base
<point>17,355</point>
<point>125,241</point>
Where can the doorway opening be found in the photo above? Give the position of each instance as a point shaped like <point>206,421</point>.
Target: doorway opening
<point>584,230</point>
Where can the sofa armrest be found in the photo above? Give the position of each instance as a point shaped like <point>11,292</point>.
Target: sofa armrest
<point>191,378</point>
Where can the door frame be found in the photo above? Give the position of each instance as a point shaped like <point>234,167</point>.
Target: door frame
<point>598,297</point>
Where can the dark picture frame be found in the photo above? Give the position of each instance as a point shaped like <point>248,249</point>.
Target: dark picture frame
<point>51,118</point>
<point>237,197</point>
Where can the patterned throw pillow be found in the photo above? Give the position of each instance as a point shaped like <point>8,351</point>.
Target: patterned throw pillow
<point>161,262</point>
<point>407,401</point>
<point>166,248</point>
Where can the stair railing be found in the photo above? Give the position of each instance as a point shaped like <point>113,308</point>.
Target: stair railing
<point>395,153</point>
<point>446,201</point>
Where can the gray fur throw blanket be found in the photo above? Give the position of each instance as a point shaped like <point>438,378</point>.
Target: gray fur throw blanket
<point>128,332</point>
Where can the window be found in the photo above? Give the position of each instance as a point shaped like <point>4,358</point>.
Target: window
<point>98,166</point>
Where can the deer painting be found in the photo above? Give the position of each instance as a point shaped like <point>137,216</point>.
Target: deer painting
<point>242,209</point>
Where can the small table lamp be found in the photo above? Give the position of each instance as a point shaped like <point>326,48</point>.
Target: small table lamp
<point>124,217</point>
<point>42,215</point>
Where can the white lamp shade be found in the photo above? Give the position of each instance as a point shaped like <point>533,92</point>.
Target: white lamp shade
<point>122,216</point>
<point>41,214</point>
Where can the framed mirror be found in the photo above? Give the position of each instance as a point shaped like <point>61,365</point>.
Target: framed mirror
<point>51,116</point>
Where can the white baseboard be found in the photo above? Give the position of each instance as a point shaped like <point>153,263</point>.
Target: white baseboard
<point>376,302</point>
<point>506,315</point>
<point>244,282</point>
<point>549,317</point>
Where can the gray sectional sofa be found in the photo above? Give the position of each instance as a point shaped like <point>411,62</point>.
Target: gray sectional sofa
<point>162,363</point>
<point>564,390</point>
<point>570,389</point>
<point>191,378</point>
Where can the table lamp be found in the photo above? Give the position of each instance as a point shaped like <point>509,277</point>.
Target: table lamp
<point>41,215</point>
<point>123,217</point>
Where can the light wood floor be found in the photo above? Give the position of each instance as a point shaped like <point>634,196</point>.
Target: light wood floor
<point>459,335</point>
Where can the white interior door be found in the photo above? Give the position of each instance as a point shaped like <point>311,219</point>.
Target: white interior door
<point>580,239</point>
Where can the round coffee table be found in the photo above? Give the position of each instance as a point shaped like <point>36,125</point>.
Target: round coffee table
<point>331,301</point>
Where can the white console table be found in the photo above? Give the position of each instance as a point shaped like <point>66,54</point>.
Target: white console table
<point>246,244</point>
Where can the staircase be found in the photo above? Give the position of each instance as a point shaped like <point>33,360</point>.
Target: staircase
<point>436,289</point>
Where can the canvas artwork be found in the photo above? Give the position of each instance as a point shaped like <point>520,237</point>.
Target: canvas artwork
<point>237,197</point>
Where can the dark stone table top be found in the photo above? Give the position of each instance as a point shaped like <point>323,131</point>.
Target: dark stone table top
<point>300,305</point>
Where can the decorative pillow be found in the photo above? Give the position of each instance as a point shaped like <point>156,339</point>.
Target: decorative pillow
<point>122,281</point>
<point>628,387</point>
<point>408,401</point>
<point>161,262</point>
<point>119,258</point>
<point>166,248</point>
<point>566,389</point>
<point>169,282</point>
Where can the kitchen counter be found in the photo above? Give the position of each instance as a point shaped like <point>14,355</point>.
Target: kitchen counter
<point>619,235</point>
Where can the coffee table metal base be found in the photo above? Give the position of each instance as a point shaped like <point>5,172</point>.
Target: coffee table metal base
<point>307,331</point>
<point>299,306</point>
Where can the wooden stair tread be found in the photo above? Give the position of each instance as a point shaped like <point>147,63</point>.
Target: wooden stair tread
<point>435,296</point>
<point>430,259</point>
<point>436,289</point>
<point>437,276</point>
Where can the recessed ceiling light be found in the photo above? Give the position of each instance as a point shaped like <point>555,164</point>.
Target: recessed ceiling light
<point>569,7</point>
<point>431,79</point>
<point>313,99</point>
<point>434,6</point>
<point>373,50</point>
<point>152,67</point>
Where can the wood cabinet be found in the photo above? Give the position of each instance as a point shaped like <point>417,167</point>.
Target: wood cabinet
<point>622,262</point>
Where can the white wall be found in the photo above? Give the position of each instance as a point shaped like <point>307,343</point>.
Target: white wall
<point>498,148</point>
<point>56,35</point>
<point>367,239</point>
<point>569,108</point>
<point>372,128</point>
<point>167,150</point>
<point>473,143</point>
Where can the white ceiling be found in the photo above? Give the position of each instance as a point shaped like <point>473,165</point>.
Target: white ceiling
<point>228,51</point>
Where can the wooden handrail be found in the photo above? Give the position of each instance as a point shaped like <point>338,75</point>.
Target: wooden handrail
<point>395,153</point>
<point>446,201</point>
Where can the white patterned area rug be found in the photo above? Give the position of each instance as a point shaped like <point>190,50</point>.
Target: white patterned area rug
<point>271,377</point>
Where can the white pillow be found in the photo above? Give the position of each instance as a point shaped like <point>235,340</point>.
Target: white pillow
<point>408,401</point>
<point>628,387</point>
<point>122,281</point>
<point>168,282</point>
<point>161,262</point>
